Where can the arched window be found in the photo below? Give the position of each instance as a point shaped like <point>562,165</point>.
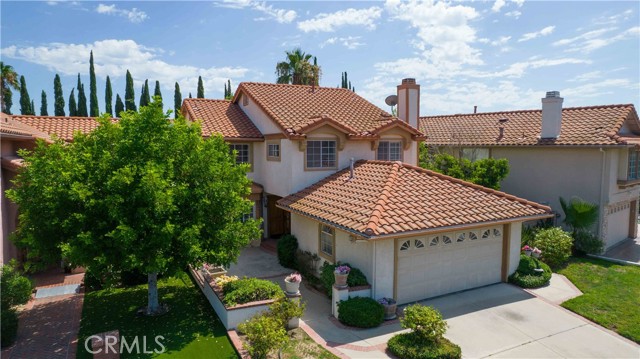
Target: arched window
<point>418,243</point>
<point>405,246</point>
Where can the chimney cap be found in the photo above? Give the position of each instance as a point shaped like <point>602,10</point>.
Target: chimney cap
<point>553,94</point>
<point>409,80</point>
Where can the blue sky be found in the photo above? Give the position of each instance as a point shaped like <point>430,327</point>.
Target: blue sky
<point>498,55</point>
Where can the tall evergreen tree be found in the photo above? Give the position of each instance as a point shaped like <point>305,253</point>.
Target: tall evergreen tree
<point>190,95</point>
<point>108,98</point>
<point>43,104</point>
<point>33,108</point>
<point>82,100</point>
<point>129,94</point>
<point>94,111</point>
<point>156,92</point>
<point>177,101</point>
<point>73,107</point>
<point>25,100</point>
<point>58,105</point>
<point>200,88</point>
<point>119,106</point>
<point>228,94</point>
<point>145,98</point>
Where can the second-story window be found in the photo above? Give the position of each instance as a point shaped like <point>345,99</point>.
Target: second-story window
<point>273,151</point>
<point>243,155</point>
<point>389,151</point>
<point>634,165</point>
<point>321,154</point>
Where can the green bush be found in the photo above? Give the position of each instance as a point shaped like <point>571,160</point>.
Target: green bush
<point>526,277</point>
<point>361,312</point>
<point>356,277</point>
<point>249,290</point>
<point>287,247</point>
<point>412,346</point>
<point>15,289</point>
<point>587,242</point>
<point>285,309</point>
<point>9,324</point>
<point>264,334</point>
<point>426,322</point>
<point>555,245</point>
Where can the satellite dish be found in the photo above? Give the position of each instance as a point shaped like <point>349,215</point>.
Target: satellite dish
<point>391,100</point>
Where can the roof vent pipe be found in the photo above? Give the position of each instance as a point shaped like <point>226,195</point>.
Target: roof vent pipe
<point>551,115</point>
<point>475,109</point>
<point>351,168</point>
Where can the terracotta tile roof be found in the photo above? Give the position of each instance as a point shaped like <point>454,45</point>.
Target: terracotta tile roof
<point>387,198</point>
<point>298,108</point>
<point>581,126</point>
<point>11,127</point>
<point>63,127</point>
<point>220,116</point>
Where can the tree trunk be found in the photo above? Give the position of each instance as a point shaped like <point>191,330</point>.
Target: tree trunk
<point>153,306</point>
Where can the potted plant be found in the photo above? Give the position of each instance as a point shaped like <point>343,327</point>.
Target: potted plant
<point>292,283</point>
<point>536,252</point>
<point>527,250</point>
<point>341,273</point>
<point>390,306</point>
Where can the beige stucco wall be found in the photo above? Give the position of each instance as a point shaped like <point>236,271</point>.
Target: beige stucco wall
<point>515,237</point>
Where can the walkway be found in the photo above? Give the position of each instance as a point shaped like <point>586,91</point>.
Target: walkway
<point>48,327</point>
<point>628,251</point>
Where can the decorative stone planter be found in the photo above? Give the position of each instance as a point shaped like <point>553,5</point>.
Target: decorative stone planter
<point>340,279</point>
<point>293,323</point>
<point>536,254</point>
<point>292,287</point>
<point>390,311</point>
<point>528,253</point>
<point>214,272</point>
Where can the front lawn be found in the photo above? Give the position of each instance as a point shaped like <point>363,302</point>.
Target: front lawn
<point>611,293</point>
<point>191,329</point>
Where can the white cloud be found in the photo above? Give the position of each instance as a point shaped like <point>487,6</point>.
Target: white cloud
<point>614,19</point>
<point>593,40</point>
<point>587,76</point>
<point>281,16</point>
<point>518,2</point>
<point>330,22</point>
<point>502,40</point>
<point>498,5</point>
<point>598,89</point>
<point>532,35</point>
<point>134,15</point>
<point>514,14</point>
<point>115,57</point>
<point>350,42</point>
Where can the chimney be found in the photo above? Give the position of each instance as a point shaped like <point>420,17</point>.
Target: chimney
<point>551,115</point>
<point>409,102</point>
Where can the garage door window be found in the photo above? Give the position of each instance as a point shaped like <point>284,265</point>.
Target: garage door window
<point>434,241</point>
<point>473,236</point>
<point>486,234</point>
<point>418,243</point>
<point>446,240</point>
<point>405,246</point>
<point>461,237</point>
<point>497,233</point>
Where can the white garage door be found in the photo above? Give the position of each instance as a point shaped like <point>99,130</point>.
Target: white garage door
<point>448,262</point>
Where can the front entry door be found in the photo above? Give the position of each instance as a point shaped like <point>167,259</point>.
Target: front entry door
<point>279,222</point>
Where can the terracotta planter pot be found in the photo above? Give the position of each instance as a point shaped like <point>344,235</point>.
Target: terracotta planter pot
<point>292,287</point>
<point>390,311</point>
<point>340,279</point>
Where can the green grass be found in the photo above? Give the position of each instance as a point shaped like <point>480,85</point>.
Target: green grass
<point>611,293</point>
<point>190,329</point>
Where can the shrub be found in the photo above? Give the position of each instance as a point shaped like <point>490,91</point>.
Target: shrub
<point>412,346</point>
<point>425,322</point>
<point>287,247</point>
<point>249,290</point>
<point>285,309</point>
<point>15,289</point>
<point>264,334</point>
<point>587,242</point>
<point>555,245</point>
<point>9,324</point>
<point>361,312</point>
<point>356,277</point>
<point>526,277</point>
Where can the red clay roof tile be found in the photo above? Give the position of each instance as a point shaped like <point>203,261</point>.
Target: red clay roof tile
<point>220,116</point>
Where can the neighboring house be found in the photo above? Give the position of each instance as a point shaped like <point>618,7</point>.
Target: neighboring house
<point>340,174</point>
<point>589,152</point>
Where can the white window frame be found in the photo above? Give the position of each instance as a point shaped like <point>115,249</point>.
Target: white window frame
<point>325,161</point>
<point>234,147</point>
<point>327,239</point>
<point>276,154</point>
<point>384,151</point>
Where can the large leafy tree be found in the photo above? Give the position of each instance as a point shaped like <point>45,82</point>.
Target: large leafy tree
<point>108,98</point>
<point>129,95</point>
<point>297,69</point>
<point>94,111</point>
<point>200,93</point>
<point>25,99</point>
<point>142,194</point>
<point>9,81</point>
<point>177,101</point>
<point>43,104</point>
<point>58,97</point>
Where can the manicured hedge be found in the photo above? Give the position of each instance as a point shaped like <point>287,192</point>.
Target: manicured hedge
<point>361,312</point>
<point>9,325</point>
<point>356,277</point>
<point>412,346</point>
<point>249,290</point>
<point>526,277</point>
<point>287,248</point>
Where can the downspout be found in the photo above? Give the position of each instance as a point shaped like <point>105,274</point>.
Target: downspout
<point>602,193</point>
<point>373,272</point>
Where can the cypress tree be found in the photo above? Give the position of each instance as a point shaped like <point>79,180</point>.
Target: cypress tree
<point>157,93</point>
<point>82,100</point>
<point>8,102</point>
<point>229,93</point>
<point>33,108</point>
<point>93,91</point>
<point>43,104</point>
<point>25,100</point>
<point>145,99</point>
<point>73,108</point>
<point>58,106</point>
<point>119,106</point>
<point>190,95</point>
<point>108,97</point>
<point>177,100</point>
<point>129,95</point>
<point>200,88</point>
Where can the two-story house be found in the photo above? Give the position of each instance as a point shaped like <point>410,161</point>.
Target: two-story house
<point>589,152</point>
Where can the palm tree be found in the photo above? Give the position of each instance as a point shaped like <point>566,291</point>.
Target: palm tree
<point>580,215</point>
<point>297,69</point>
<point>9,80</point>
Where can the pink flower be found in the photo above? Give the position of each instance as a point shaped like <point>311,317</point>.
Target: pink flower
<point>527,248</point>
<point>294,278</point>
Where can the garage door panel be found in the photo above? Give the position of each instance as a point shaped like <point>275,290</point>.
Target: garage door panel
<point>443,268</point>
